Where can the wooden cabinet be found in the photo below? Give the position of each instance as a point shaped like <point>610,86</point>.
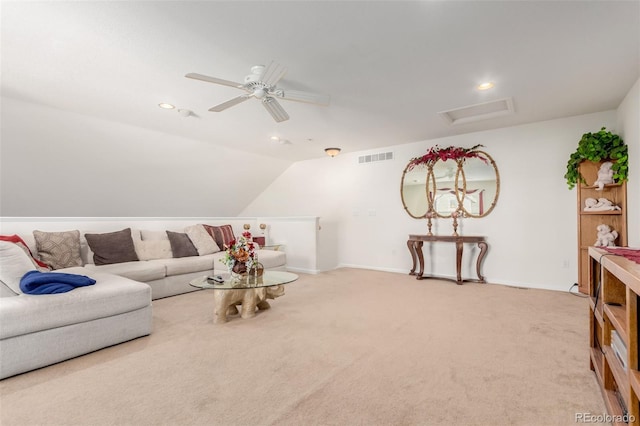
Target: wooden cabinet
<point>588,221</point>
<point>614,289</point>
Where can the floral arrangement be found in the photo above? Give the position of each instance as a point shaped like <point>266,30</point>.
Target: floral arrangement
<point>449,153</point>
<point>240,252</point>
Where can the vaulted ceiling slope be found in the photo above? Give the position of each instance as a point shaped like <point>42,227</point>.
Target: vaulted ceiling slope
<point>389,67</point>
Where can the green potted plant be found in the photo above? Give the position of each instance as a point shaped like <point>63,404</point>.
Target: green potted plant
<point>597,147</point>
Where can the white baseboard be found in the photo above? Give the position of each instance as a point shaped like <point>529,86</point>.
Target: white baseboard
<point>373,268</point>
<point>302,270</point>
<point>453,277</point>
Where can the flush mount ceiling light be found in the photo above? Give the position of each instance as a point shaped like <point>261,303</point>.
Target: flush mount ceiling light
<point>332,152</point>
<point>485,86</point>
<point>166,106</point>
<point>275,138</point>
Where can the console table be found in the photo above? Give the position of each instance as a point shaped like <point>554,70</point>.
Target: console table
<point>415,242</point>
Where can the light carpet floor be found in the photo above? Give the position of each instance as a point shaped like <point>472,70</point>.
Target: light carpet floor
<point>347,347</point>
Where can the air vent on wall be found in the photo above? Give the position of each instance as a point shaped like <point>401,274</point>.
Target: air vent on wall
<point>483,111</point>
<point>370,158</point>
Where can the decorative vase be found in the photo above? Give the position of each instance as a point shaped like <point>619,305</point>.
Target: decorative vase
<point>238,270</point>
<point>256,270</point>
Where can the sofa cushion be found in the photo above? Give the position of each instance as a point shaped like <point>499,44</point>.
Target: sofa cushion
<point>181,245</point>
<point>40,265</point>
<point>148,250</point>
<point>142,270</point>
<point>5,291</point>
<point>59,249</point>
<point>185,265</point>
<point>111,295</point>
<point>271,258</point>
<point>201,239</point>
<point>14,263</point>
<point>112,247</point>
<point>221,234</point>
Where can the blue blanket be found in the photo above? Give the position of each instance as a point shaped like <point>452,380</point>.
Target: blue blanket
<point>36,282</point>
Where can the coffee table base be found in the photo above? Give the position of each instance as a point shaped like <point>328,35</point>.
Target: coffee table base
<point>225,301</point>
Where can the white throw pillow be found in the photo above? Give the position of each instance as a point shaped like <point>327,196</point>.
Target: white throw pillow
<point>201,239</point>
<point>147,235</point>
<point>14,263</point>
<point>149,250</point>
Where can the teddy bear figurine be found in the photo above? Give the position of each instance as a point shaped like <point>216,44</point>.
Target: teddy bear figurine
<point>601,204</point>
<point>606,237</point>
<point>605,175</point>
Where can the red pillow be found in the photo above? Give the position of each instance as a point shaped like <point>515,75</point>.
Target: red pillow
<point>20,242</point>
<point>221,234</point>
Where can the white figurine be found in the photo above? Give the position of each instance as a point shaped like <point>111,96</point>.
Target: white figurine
<point>606,237</point>
<point>599,205</point>
<point>605,175</point>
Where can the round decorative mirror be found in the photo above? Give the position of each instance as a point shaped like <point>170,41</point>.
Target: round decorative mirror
<point>413,191</point>
<point>445,174</point>
<point>480,185</point>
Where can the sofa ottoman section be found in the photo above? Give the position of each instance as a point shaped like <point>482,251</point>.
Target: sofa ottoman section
<point>39,330</point>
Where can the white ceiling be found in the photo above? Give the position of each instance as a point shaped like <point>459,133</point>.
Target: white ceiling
<point>389,67</point>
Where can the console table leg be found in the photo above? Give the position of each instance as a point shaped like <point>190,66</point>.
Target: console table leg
<point>483,250</point>
<point>418,246</point>
<point>459,247</point>
<point>412,250</point>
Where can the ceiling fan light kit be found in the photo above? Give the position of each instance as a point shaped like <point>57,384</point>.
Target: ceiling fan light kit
<point>261,84</point>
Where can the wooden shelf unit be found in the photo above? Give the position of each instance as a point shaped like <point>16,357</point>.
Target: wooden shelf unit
<point>589,221</point>
<point>614,290</point>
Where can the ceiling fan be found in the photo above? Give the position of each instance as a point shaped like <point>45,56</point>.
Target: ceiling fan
<point>261,84</point>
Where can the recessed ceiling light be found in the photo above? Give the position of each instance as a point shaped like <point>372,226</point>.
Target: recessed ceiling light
<point>485,86</point>
<point>166,106</point>
<point>274,138</point>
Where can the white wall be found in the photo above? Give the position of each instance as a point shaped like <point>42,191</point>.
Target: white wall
<point>628,115</point>
<point>57,163</point>
<point>531,233</point>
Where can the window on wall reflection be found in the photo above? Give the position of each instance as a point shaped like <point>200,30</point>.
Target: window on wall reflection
<point>446,201</point>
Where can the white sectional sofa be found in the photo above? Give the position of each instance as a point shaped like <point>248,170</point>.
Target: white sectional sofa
<point>167,276</point>
<point>39,330</point>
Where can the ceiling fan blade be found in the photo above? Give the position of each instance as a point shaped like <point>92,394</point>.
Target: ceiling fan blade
<point>299,96</point>
<point>229,103</point>
<point>215,80</point>
<point>275,109</point>
<point>272,73</point>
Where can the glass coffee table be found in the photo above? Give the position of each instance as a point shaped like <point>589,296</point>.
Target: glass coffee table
<point>250,291</point>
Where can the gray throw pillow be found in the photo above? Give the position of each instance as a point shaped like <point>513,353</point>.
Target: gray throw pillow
<point>112,247</point>
<point>181,245</point>
<point>59,249</point>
